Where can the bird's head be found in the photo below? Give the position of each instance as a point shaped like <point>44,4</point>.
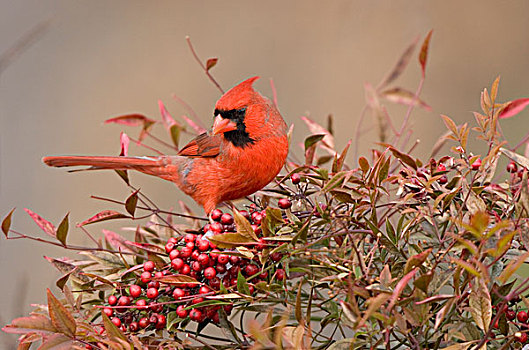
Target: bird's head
<point>243,116</point>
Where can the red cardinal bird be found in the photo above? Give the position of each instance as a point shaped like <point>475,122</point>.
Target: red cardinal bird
<point>245,150</point>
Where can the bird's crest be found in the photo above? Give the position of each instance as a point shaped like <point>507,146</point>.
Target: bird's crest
<point>238,96</point>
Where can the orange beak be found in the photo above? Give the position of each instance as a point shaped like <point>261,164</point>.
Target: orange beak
<point>222,125</point>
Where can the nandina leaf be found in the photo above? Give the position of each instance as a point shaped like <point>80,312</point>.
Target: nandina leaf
<point>312,140</point>
<point>61,282</point>
<point>435,298</point>
<point>37,323</point>
<point>244,228</point>
<point>401,64</point>
<point>167,119</point>
<point>44,224</point>
<point>103,216</point>
<point>480,305</point>
<point>100,279</point>
<point>405,158</point>
<point>148,247</point>
<point>175,134</point>
<point>364,164</point>
<point>57,342</point>
<point>494,89</point>
<point>230,240</point>
<point>211,62</point>
<point>6,223</point>
<point>416,260</point>
<point>513,108</point>
<point>467,266</point>
<point>118,242</point>
<point>512,267</point>
<point>523,161</point>
<point>242,285</point>
<point>442,313</point>
<point>338,162</point>
<point>67,268</point>
<point>423,55</point>
<point>404,97</point>
<point>131,202</point>
<point>60,317</point>
<point>113,331</point>
<point>399,288</point>
<point>124,142</point>
<point>175,279</point>
<point>62,230</point>
<point>124,175</point>
<point>317,129</point>
<point>134,119</point>
<point>198,129</point>
<point>297,309</point>
<point>374,305</point>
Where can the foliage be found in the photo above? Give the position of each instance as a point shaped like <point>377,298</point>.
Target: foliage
<point>394,253</point>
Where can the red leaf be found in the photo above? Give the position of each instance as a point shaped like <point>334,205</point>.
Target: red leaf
<point>35,323</point>
<point>400,287</point>
<point>60,317</point>
<point>118,242</point>
<point>102,216</point>
<point>198,129</point>
<point>130,120</point>
<point>124,142</point>
<point>167,119</point>
<point>514,107</point>
<point>423,55</point>
<point>44,224</point>
<point>211,62</point>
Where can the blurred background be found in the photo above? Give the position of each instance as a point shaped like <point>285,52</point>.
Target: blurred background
<point>99,59</point>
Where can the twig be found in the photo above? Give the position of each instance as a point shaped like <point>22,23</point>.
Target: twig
<point>188,39</point>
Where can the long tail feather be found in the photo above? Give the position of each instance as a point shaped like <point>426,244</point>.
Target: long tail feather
<point>102,162</point>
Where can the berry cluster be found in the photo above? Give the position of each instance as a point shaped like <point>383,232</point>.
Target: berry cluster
<point>196,269</point>
<point>519,320</point>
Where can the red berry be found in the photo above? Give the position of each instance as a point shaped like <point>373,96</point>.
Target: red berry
<point>521,337</point>
<point>181,312</point>
<point>263,275</point>
<point>251,270</point>
<point>443,180</point>
<point>153,284</point>
<point>204,290</point>
<point>510,314</point>
<point>116,321</point>
<point>152,293</point>
<point>177,264</point>
<point>214,283</point>
<point>476,164</point>
<point>216,214</point>
<point>190,245</point>
<point>144,322</point>
<point>172,240</point>
<point>160,324</point>
<point>195,315</point>
<point>226,219</point>
<point>276,256</point>
<point>195,254</point>
<point>133,326</point>
<point>169,247</point>
<point>153,319</point>
<point>234,260</point>
<point>512,167</point>
<point>228,308</point>
<point>216,227</point>
<point>220,268</point>
<point>522,316</point>
<point>284,203</point>
<point>295,178</point>
<point>112,300</point>
<point>124,300</point>
<point>203,245</point>
<point>134,290</point>
<point>141,304</point>
<point>223,259</point>
<point>257,218</point>
<point>149,266</point>
<point>175,253</point>
<point>280,274</point>
<point>186,269</point>
<point>210,273</point>
<point>245,214</point>
<point>203,259</point>
<point>145,277</point>
<point>261,244</point>
<point>195,266</point>
<point>108,311</point>
<point>197,300</point>
<point>189,238</point>
<point>441,167</point>
<point>178,293</point>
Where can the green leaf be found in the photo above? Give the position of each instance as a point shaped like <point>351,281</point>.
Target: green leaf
<point>112,330</point>
<point>244,228</point>
<point>62,230</point>
<point>174,130</point>
<point>230,240</point>
<point>242,285</point>
<point>312,140</point>
<point>124,175</point>
<point>6,223</point>
<point>60,317</point>
<point>131,202</point>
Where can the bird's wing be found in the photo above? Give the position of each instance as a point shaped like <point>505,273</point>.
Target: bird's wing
<point>202,146</point>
